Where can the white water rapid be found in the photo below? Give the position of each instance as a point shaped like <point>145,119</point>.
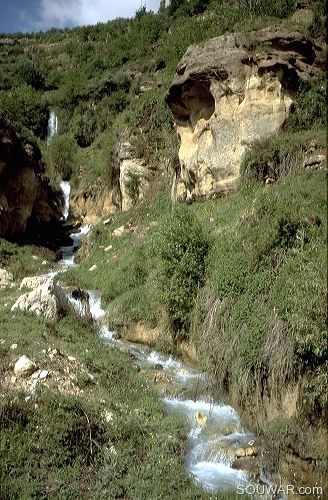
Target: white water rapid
<point>215,429</point>
<point>52,126</point>
<point>66,190</point>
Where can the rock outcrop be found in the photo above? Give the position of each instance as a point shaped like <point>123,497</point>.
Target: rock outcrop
<point>132,172</point>
<point>129,183</point>
<point>229,92</point>
<point>91,204</point>
<point>48,299</point>
<point>26,201</point>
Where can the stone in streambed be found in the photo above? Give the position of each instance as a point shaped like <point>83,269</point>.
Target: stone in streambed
<point>201,418</point>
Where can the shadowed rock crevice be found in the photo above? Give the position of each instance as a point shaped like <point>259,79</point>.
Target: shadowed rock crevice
<point>191,102</point>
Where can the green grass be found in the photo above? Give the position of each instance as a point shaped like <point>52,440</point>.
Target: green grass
<point>24,260</point>
<point>57,442</point>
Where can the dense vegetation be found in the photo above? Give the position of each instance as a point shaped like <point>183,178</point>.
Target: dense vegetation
<point>102,78</point>
<point>253,263</point>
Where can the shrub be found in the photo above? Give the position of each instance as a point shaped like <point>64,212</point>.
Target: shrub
<point>310,106</point>
<point>273,158</point>
<point>182,249</point>
<point>27,107</point>
<point>62,155</point>
<point>29,71</point>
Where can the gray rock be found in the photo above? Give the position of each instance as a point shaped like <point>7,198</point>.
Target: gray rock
<point>314,161</point>
<point>33,281</point>
<point>24,367</point>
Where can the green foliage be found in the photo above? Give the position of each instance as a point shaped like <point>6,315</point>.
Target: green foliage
<point>187,7</point>
<point>63,445</point>
<point>27,107</point>
<point>19,260</point>
<point>273,158</point>
<point>28,70</point>
<point>266,280</point>
<point>182,248</point>
<point>278,8</point>
<point>318,28</point>
<point>310,110</point>
<point>63,155</point>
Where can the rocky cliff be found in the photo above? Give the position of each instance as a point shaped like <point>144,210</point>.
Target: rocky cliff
<point>130,176</point>
<point>229,92</point>
<point>27,202</point>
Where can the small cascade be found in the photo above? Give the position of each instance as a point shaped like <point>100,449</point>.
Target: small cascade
<point>67,252</point>
<point>66,190</point>
<point>52,126</point>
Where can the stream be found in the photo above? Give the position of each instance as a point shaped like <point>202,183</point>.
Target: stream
<point>215,429</point>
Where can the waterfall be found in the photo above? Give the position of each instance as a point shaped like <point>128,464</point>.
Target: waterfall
<point>66,189</point>
<point>52,126</point>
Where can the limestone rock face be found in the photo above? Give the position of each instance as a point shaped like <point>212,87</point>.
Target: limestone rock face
<point>91,204</point>
<point>24,197</point>
<point>133,172</point>
<point>33,281</point>
<point>129,183</point>
<point>225,97</point>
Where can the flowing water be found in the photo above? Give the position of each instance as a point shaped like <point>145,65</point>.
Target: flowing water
<point>52,126</point>
<point>66,189</point>
<point>215,429</point>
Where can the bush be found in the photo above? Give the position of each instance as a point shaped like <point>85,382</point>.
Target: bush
<point>310,107</point>
<point>27,107</point>
<point>29,71</point>
<point>273,158</point>
<point>62,155</point>
<point>182,248</point>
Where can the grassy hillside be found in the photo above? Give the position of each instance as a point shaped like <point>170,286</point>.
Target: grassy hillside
<point>242,278</point>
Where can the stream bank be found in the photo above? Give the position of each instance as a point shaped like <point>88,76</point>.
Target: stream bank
<point>268,416</point>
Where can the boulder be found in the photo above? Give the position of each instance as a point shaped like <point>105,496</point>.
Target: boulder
<point>315,161</point>
<point>303,17</point>
<point>48,300</point>
<point>24,367</point>
<point>228,93</point>
<point>32,281</point>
